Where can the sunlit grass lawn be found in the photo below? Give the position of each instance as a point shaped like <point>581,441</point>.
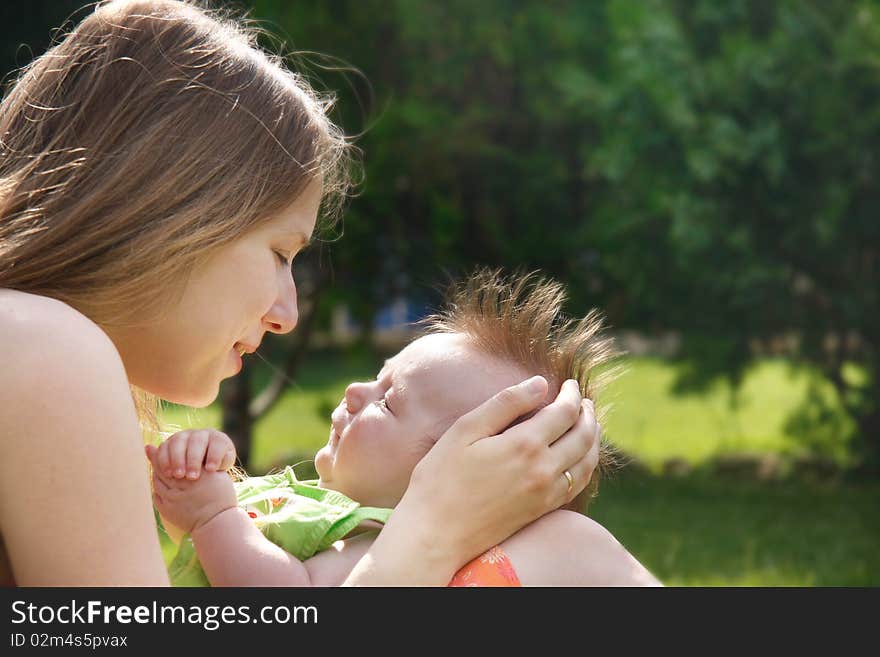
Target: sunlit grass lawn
<point>698,531</point>
<point>690,531</point>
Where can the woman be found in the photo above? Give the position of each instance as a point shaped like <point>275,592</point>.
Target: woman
<point>158,176</point>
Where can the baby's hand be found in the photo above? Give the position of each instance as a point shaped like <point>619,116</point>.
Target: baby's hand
<point>185,504</point>
<point>184,453</point>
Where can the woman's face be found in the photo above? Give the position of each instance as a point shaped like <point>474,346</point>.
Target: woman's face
<point>230,301</point>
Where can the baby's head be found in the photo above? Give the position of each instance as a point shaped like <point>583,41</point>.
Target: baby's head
<point>494,333</point>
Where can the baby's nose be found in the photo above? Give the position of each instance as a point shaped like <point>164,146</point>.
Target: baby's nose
<point>355,396</point>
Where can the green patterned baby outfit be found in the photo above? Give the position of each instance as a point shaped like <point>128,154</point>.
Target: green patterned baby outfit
<point>298,516</point>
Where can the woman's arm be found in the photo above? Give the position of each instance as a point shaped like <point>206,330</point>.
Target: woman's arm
<point>477,487</point>
<point>74,490</point>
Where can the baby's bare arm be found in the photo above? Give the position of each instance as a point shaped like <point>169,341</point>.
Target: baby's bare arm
<point>234,552</point>
<point>332,567</point>
<point>564,548</point>
<point>231,549</point>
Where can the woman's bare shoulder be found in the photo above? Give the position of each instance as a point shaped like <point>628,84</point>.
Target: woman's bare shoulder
<point>564,548</point>
<point>46,338</point>
<point>55,359</point>
<point>73,454</point>
<point>24,313</point>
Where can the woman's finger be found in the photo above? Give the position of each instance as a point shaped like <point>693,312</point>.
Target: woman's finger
<point>584,470</point>
<point>555,419</point>
<point>578,450</point>
<point>580,474</point>
<point>494,415</point>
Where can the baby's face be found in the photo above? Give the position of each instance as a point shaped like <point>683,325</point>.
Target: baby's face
<point>382,428</point>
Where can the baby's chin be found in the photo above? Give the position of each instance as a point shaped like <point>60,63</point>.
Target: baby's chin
<point>323,466</point>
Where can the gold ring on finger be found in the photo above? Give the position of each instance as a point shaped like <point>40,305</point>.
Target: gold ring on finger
<point>570,480</point>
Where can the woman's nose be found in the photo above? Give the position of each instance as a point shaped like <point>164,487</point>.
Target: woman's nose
<point>284,313</point>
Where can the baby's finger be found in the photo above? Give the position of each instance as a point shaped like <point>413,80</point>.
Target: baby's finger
<point>196,447</point>
<point>163,462</point>
<point>217,449</point>
<point>228,460</point>
<point>150,451</point>
<point>177,453</point>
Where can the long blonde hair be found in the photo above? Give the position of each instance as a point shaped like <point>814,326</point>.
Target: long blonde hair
<point>151,134</point>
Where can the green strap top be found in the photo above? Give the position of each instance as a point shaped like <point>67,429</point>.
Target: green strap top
<point>298,516</point>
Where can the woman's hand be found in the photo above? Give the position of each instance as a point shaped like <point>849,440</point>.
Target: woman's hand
<point>489,485</point>
<point>480,484</point>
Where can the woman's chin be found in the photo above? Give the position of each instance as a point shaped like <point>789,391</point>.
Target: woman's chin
<point>191,397</point>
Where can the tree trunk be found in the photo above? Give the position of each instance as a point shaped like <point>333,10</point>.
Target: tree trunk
<point>869,442</point>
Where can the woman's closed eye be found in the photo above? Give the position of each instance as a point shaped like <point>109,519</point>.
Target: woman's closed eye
<point>284,258</point>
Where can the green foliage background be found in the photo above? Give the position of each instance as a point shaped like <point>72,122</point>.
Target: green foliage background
<point>698,166</point>
<point>702,167</point>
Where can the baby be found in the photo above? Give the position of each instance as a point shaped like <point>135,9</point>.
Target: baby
<point>494,333</point>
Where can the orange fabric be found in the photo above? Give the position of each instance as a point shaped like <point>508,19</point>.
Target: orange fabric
<point>491,568</point>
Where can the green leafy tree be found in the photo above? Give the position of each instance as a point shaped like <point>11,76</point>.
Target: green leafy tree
<point>698,166</point>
